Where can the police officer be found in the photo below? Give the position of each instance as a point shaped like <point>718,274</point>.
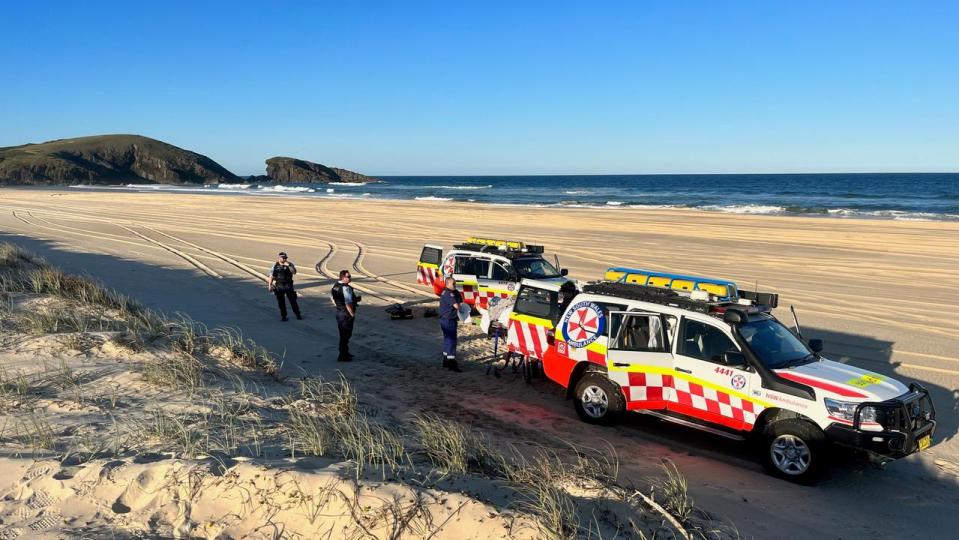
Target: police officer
<point>450,302</point>
<point>345,300</point>
<point>281,284</point>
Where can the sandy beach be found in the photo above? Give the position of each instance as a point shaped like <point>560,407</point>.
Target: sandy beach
<point>880,293</point>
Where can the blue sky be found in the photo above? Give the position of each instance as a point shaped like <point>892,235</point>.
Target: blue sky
<point>497,88</point>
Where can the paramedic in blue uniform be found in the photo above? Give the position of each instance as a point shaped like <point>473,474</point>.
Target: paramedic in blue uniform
<point>281,284</point>
<point>345,300</point>
<point>450,302</point>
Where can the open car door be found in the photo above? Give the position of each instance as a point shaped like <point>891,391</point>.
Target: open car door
<point>428,267</point>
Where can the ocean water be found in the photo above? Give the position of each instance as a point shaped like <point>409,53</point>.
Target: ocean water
<point>902,196</point>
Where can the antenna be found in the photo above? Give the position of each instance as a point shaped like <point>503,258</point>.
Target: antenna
<point>796,320</point>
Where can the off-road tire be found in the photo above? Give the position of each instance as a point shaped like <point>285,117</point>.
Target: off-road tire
<point>782,444</point>
<point>592,386</point>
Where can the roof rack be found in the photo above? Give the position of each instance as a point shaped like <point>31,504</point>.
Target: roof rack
<point>655,295</point>
<point>722,288</point>
<point>476,243</point>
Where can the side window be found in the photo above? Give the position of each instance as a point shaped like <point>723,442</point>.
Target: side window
<point>481,267</point>
<point>500,273</point>
<point>464,265</point>
<point>636,332</point>
<point>535,302</point>
<point>703,342</point>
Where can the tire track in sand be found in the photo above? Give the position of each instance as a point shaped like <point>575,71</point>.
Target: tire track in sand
<point>188,258</point>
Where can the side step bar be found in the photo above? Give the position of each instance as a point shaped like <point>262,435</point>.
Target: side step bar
<point>691,424</point>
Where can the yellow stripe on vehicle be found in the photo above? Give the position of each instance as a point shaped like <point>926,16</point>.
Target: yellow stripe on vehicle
<point>667,371</point>
<point>531,320</point>
<point>497,291</point>
<point>428,265</point>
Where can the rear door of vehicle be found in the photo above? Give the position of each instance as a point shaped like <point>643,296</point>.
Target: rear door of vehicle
<point>496,284</point>
<point>531,321</point>
<point>639,359</point>
<point>428,267</point>
<point>464,265</point>
<point>704,386</point>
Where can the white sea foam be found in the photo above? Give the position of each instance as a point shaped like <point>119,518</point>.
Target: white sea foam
<point>288,189</point>
<point>898,215</point>
<point>234,186</point>
<point>348,183</point>
<point>745,208</point>
<point>578,192</point>
<point>432,198</point>
<point>614,203</point>
<point>329,190</point>
<point>488,186</point>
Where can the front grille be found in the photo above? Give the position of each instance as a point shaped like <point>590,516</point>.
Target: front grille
<point>906,413</point>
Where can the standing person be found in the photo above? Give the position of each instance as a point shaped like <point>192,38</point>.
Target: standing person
<point>281,284</point>
<point>566,293</point>
<point>450,302</point>
<point>345,300</point>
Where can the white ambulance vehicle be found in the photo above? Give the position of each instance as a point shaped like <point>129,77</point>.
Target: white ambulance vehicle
<point>725,366</point>
<point>486,270</point>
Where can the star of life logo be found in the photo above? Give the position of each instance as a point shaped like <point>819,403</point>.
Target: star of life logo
<point>583,324</point>
<point>448,266</point>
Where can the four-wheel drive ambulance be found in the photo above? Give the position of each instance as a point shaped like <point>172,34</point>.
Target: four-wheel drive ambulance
<point>486,270</point>
<point>724,366</point>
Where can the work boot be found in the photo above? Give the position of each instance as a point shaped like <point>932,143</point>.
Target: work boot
<point>453,366</point>
<point>284,319</point>
<point>299,317</point>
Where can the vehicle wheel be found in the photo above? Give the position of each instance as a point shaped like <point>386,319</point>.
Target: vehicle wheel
<point>598,400</point>
<point>794,450</point>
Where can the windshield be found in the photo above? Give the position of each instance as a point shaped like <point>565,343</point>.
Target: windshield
<point>534,268</point>
<point>775,346</point>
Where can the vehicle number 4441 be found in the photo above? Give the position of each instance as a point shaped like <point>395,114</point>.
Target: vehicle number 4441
<point>723,371</point>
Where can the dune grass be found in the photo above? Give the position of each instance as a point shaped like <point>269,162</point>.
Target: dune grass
<point>318,417</point>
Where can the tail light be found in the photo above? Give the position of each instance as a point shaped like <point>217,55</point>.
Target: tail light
<point>550,337</point>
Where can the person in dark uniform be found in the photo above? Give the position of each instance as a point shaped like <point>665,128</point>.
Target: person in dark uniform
<point>281,284</point>
<point>345,300</point>
<point>566,293</point>
<point>450,302</point>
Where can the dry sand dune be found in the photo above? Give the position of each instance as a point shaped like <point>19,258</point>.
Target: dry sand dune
<point>878,292</point>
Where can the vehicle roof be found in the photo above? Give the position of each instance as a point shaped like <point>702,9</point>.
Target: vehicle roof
<point>542,284</point>
<point>507,255</point>
<point>639,305</point>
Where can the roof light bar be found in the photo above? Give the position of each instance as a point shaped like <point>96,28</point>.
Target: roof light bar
<point>723,289</point>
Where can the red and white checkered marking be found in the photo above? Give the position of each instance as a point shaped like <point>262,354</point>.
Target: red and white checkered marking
<point>484,295</point>
<point>469,293</point>
<point>654,387</point>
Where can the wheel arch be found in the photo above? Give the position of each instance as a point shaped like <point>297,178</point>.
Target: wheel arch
<point>776,414</point>
<point>582,368</point>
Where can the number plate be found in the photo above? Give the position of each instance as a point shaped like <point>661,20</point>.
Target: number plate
<point>925,442</point>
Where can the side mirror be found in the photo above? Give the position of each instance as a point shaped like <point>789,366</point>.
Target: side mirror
<point>734,358</point>
<point>564,272</point>
<point>815,345</point>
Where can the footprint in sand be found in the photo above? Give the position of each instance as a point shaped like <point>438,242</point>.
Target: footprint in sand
<point>45,522</point>
<point>10,533</point>
<point>40,500</point>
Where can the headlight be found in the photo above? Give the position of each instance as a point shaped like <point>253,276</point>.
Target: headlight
<point>847,410</point>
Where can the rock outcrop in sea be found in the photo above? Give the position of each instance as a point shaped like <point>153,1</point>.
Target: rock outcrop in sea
<point>299,171</point>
